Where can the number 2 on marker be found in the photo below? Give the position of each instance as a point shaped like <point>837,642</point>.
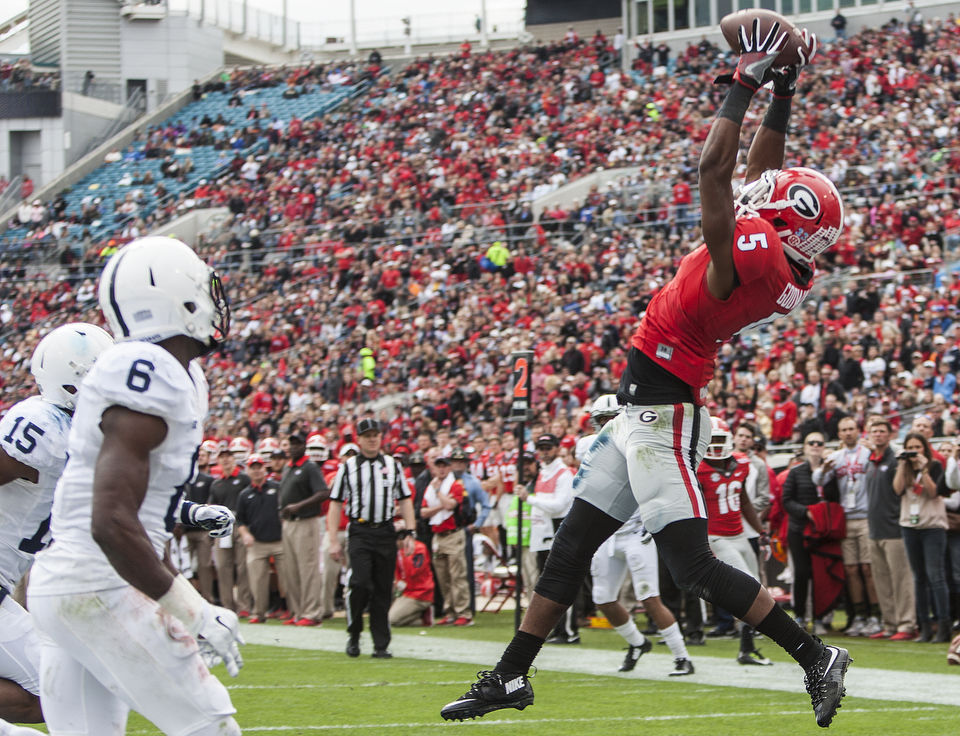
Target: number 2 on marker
<point>520,369</point>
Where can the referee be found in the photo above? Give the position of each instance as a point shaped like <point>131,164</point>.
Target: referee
<point>370,486</point>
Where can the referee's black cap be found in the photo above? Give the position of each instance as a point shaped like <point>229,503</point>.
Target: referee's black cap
<point>367,424</point>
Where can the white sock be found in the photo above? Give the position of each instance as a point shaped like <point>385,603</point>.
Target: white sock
<point>674,640</point>
<point>8,729</point>
<point>631,633</point>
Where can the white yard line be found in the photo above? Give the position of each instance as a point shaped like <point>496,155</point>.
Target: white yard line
<point>500,722</point>
<point>879,684</point>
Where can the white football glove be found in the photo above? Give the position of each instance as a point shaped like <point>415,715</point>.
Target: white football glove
<point>219,630</point>
<point>210,658</point>
<point>213,626</point>
<point>217,520</point>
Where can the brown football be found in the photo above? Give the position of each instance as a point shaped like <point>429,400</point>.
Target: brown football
<point>730,24</point>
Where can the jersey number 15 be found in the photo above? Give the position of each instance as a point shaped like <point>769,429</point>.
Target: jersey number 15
<point>27,440</point>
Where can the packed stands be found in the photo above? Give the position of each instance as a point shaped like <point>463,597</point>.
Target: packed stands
<point>403,223</point>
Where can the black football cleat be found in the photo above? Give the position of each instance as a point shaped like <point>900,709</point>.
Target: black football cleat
<point>492,691</point>
<point>682,667</point>
<point>353,646</point>
<point>824,682</point>
<point>633,655</point>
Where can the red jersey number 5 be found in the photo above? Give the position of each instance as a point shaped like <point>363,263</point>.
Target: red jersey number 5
<point>745,243</point>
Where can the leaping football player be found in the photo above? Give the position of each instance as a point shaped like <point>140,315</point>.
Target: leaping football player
<point>757,263</point>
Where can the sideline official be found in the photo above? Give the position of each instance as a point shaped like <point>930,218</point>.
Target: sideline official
<point>371,486</point>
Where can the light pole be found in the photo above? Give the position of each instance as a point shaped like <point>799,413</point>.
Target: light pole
<point>353,27</point>
<point>484,38</point>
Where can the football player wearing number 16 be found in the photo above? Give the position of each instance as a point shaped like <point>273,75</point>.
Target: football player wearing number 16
<point>118,627</point>
<point>757,263</point>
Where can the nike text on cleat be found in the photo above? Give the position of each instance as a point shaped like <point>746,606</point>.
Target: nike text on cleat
<point>753,657</point>
<point>492,691</point>
<point>682,667</point>
<point>634,652</point>
<point>824,682</point>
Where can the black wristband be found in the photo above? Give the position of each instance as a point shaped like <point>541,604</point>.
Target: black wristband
<point>735,104</point>
<point>404,533</point>
<point>778,115</point>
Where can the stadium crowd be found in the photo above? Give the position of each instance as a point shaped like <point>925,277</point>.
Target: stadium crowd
<point>384,260</point>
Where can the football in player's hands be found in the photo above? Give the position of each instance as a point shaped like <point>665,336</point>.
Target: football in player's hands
<point>730,26</point>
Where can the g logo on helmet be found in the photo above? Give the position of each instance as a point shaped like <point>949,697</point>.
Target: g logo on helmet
<point>804,201</point>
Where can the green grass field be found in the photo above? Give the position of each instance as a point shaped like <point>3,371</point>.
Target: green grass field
<point>315,688</point>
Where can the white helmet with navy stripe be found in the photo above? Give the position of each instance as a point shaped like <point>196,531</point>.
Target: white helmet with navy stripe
<point>156,288</point>
<point>63,357</point>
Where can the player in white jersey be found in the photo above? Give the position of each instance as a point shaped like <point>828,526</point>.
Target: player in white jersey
<point>118,627</point>
<point>630,550</point>
<point>33,441</point>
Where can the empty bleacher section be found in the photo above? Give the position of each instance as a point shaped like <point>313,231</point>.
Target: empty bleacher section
<point>168,160</point>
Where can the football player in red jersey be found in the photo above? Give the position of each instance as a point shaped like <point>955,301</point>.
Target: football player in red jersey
<point>756,263</point>
<point>723,477</point>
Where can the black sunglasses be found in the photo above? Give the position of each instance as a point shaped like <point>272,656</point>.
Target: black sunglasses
<point>814,443</point>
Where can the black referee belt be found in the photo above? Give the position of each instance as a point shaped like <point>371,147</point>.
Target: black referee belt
<point>370,524</point>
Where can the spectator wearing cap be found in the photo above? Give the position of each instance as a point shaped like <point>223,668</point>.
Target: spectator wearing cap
<point>229,553</point>
<point>372,487</point>
<point>301,495</point>
<point>549,503</point>
<point>258,522</point>
<point>443,495</point>
<point>479,501</point>
<point>198,540</point>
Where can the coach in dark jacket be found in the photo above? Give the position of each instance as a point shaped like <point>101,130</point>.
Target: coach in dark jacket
<point>800,492</point>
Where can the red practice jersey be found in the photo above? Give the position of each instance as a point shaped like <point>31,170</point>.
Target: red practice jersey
<point>685,325</point>
<point>721,489</point>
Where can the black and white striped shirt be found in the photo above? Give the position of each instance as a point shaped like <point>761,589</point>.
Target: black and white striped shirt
<point>370,487</point>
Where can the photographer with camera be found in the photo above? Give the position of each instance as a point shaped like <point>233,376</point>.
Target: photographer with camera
<point>923,524</point>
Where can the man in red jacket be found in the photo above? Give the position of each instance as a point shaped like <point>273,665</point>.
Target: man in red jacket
<point>414,582</point>
<point>784,417</point>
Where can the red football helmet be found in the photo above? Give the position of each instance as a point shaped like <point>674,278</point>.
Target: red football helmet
<point>268,446</point>
<point>802,204</point>
<point>721,441</point>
